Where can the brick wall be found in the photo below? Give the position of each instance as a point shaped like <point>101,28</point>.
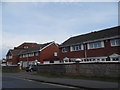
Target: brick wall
<point>10,68</point>
<point>84,69</point>
<point>48,53</point>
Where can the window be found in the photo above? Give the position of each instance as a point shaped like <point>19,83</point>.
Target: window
<point>26,55</point>
<point>76,47</point>
<point>36,54</point>
<point>31,54</point>
<point>55,54</point>
<point>21,56</point>
<point>25,46</point>
<point>98,44</point>
<point>9,57</point>
<point>115,42</point>
<point>65,49</point>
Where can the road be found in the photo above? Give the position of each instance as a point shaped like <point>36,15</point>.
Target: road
<point>15,82</point>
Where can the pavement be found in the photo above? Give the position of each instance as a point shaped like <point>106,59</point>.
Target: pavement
<point>79,83</point>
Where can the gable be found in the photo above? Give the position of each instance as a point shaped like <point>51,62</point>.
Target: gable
<point>9,53</point>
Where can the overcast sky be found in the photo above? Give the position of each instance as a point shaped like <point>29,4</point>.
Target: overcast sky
<point>53,21</point>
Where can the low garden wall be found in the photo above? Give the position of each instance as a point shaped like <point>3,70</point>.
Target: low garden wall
<point>10,68</point>
<point>83,69</point>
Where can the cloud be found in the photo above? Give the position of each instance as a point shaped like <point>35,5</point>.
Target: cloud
<point>43,22</point>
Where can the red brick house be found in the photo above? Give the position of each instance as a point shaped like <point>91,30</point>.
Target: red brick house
<point>32,53</point>
<point>98,46</point>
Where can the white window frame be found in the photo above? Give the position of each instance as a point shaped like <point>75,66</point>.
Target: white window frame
<point>36,53</point>
<point>21,56</point>
<point>64,50</point>
<point>10,57</point>
<point>115,42</point>
<point>102,45</point>
<point>74,47</point>
<point>31,54</point>
<point>55,54</point>
<point>25,47</point>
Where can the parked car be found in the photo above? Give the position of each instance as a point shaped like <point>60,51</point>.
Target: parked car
<point>31,68</point>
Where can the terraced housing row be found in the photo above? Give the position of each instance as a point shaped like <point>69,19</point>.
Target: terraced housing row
<point>98,46</point>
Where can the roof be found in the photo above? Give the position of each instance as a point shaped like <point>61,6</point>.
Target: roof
<point>36,48</point>
<point>15,52</point>
<point>106,33</point>
<point>26,44</point>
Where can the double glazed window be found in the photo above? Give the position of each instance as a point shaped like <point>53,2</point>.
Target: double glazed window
<point>76,47</point>
<point>98,44</point>
<point>115,42</point>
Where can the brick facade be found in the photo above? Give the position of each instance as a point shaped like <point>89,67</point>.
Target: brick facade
<point>92,46</point>
<point>105,50</point>
<point>46,53</point>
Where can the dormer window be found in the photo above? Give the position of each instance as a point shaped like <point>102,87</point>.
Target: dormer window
<point>25,47</point>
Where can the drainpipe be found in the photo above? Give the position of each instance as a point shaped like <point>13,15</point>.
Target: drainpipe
<point>27,60</point>
<point>85,46</point>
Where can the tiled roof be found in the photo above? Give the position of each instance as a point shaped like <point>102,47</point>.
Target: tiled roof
<point>35,48</point>
<point>110,32</point>
<point>29,50</point>
<point>16,51</point>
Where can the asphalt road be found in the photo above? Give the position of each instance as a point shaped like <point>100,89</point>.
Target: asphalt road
<point>14,82</point>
